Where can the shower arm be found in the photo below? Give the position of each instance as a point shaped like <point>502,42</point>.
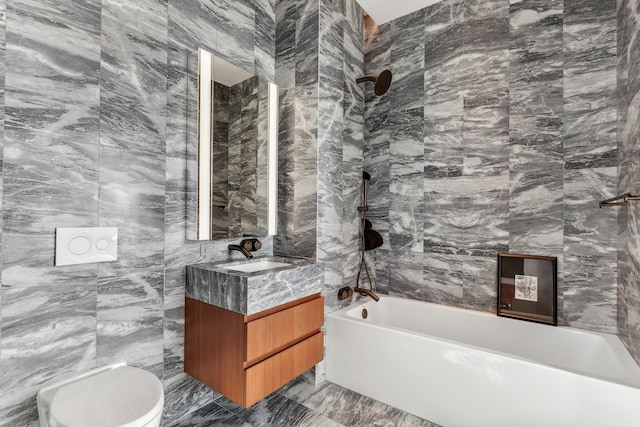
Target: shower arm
<point>366,79</point>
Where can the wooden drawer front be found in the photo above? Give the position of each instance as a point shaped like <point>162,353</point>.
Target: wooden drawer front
<point>279,330</point>
<point>274,372</point>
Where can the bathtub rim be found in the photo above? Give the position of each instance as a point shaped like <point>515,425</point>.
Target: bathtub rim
<point>634,382</point>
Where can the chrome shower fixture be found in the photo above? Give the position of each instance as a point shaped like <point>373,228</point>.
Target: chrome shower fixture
<point>381,82</point>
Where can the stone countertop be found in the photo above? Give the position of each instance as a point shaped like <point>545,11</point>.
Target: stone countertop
<point>251,292</point>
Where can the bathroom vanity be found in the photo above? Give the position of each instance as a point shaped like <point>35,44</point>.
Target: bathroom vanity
<point>248,333</point>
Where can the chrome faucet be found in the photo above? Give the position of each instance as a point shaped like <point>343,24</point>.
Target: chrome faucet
<point>246,246</point>
<point>364,292</point>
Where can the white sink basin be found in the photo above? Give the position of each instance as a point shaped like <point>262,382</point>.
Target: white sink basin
<point>252,267</point>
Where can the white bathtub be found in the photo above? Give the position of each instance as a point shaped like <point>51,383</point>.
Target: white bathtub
<point>464,368</point>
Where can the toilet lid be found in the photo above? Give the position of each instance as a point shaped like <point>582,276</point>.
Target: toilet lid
<point>123,397</point>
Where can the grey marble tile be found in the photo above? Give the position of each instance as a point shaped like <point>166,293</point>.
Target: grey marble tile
<point>485,141</point>
<point>466,215</point>
<point>250,293</point>
<point>278,410</point>
<point>489,8</point>
<point>22,414</point>
<point>535,57</point>
<point>45,335</point>
<point>369,275</point>
<point>407,61</point>
<point>376,161</point>
<point>377,165</point>
<point>443,110</point>
<point>444,279</point>
<point>443,227</point>
<point>536,183</point>
<point>189,27</point>
<point>406,189</point>
<point>129,316</point>
<point>183,394</point>
<point>628,86</point>
<point>51,131</point>
<point>536,233</point>
<point>331,35</point>
<point>132,195</point>
<point>376,46</point>
<point>443,74</point>
<point>50,112</point>
<point>265,39</point>
<point>588,229</point>
<point>208,415</point>
<point>589,297</point>
<point>353,134</point>
<point>380,260</point>
<point>110,73</point>
<point>133,104</point>
<point>173,321</point>
<point>297,186</point>
<point>443,140</point>
<point>628,265</point>
<point>330,142</point>
<point>589,88</point>
<point>590,258</point>
<point>487,25</point>
<point>406,277</point>
<point>286,18</point>
<point>480,287</point>
<point>262,175</point>
<point>235,41</point>
<point>3,37</point>
<point>333,281</point>
<point>306,43</point>
<point>486,216</point>
<point>349,408</point>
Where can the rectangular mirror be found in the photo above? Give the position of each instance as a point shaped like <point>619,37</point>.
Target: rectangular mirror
<point>527,287</point>
<point>235,193</point>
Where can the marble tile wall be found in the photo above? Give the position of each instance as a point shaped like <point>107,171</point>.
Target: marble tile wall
<point>376,149</point>
<point>590,154</point>
<point>95,135</point>
<point>498,135</point>
<point>242,32</point>
<point>51,179</point>
<point>628,35</point>
<point>3,34</point>
<point>297,78</point>
<point>220,159</point>
<point>319,55</point>
<point>340,143</point>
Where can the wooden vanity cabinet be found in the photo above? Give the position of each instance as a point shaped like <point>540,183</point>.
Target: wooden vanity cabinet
<point>247,357</point>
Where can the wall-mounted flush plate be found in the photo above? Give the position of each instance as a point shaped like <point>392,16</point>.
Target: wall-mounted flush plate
<point>84,245</point>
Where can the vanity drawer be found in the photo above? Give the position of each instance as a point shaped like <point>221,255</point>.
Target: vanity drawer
<point>272,333</point>
<point>274,372</point>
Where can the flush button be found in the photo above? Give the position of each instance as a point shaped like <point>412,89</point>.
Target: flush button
<point>83,245</point>
<point>79,245</point>
<point>102,244</point>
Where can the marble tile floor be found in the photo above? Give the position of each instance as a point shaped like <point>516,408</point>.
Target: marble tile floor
<point>302,404</point>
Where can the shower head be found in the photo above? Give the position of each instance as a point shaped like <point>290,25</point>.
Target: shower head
<point>381,82</point>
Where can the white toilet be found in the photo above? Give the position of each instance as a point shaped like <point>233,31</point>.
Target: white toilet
<point>116,396</point>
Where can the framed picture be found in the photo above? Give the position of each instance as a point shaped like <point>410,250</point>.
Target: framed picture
<point>527,287</point>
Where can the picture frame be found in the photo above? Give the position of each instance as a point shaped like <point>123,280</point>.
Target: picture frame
<point>528,287</point>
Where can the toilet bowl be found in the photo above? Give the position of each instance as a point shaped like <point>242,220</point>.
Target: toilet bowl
<point>116,396</point>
